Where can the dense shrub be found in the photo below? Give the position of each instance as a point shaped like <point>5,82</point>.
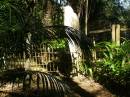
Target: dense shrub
<point>114,63</point>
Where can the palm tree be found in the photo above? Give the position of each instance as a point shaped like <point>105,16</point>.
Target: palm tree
<point>23,27</point>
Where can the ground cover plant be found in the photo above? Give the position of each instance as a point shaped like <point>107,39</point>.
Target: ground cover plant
<point>113,66</point>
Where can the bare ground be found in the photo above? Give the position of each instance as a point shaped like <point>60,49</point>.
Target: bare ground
<point>84,87</point>
<point>80,86</point>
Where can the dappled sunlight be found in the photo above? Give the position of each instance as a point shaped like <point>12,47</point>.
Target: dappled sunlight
<point>89,86</point>
<point>64,48</point>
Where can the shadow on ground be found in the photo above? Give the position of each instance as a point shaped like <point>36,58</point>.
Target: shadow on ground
<point>21,83</point>
<point>80,92</point>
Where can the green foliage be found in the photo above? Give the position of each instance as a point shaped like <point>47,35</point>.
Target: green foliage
<point>58,43</point>
<point>86,68</point>
<point>115,61</point>
<point>103,13</point>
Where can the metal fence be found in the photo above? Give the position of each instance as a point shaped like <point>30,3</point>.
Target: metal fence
<point>42,58</point>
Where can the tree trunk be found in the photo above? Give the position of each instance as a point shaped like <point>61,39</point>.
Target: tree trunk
<point>86,18</point>
<point>76,56</point>
<point>47,14</point>
<point>71,19</point>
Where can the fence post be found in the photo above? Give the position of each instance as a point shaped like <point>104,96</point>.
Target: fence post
<point>118,34</point>
<point>113,33</point>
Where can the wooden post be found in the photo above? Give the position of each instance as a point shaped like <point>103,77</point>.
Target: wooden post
<point>118,35</point>
<point>94,51</point>
<point>113,33</point>
<point>86,18</point>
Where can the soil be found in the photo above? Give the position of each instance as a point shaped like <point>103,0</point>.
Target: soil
<point>80,87</point>
<point>85,87</point>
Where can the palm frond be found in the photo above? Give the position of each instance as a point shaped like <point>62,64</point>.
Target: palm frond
<point>35,83</point>
<point>71,34</point>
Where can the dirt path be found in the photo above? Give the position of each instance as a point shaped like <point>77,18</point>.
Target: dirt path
<point>80,86</point>
<point>84,87</point>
